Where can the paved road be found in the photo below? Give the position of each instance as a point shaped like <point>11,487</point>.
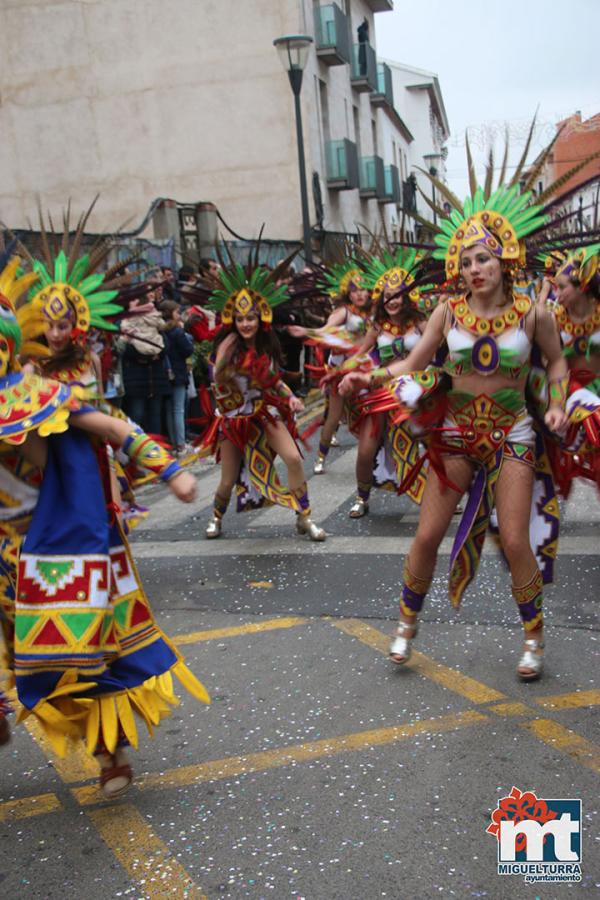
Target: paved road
<point>320,771</point>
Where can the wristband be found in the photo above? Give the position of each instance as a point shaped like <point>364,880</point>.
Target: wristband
<point>379,377</point>
<point>558,391</point>
<point>141,449</point>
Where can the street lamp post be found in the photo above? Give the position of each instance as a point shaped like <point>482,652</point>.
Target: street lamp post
<point>293,51</point>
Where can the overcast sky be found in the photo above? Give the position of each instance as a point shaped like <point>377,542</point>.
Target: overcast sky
<point>496,63</point>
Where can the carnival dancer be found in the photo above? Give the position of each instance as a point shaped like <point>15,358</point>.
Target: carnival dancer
<point>255,409</point>
<point>87,654</point>
<point>487,441</point>
<point>386,449</point>
<point>578,320</point>
<point>342,281</point>
<point>75,298</point>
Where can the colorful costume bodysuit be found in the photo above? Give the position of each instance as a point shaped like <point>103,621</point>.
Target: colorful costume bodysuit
<point>249,395</point>
<point>399,450</point>
<point>579,455</point>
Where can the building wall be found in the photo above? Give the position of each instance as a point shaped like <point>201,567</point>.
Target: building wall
<point>139,99</point>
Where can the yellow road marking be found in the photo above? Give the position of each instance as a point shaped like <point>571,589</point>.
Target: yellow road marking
<point>142,854</point>
<point>27,807</point>
<point>250,628</point>
<point>234,766</point>
<point>451,679</point>
<point>511,709</point>
<point>78,765</point>
<point>574,700</point>
<point>565,741</point>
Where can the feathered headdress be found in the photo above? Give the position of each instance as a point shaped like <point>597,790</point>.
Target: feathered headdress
<point>69,283</point>
<point>395,270</point>
<point>241,292</point>
<point>20,322</point>
<point>339,278</point>
<point>581,265</point>
<point>499,218</point>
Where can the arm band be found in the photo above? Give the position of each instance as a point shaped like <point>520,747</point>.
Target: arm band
<point>379,377</point>
<point>558,391</point>
<point>141,449</point>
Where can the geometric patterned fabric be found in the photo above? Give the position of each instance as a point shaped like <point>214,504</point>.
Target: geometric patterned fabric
<point>88,653</point>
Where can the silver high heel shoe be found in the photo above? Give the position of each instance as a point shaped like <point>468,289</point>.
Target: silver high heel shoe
<point>531,659</point>
<point>334,442</point>
<point>359,508</point>
<point>213,529</point>
<point>319,466</point>
<point>400,648</point>
<point>305,525</point>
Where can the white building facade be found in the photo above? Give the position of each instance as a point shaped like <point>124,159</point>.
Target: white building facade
<point>138,100</point>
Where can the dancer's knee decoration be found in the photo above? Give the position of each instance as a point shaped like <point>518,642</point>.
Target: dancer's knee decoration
<point>529,598</point>
<point>414,591</point>
<point>141,449</point>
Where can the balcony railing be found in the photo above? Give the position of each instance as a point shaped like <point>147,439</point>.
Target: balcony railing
<point>383,95</point>
<point>363,76</point>
<point>371,177</point>
<point>381,5</point>
<point>392,186</point>
<point>333,35</point>
<point>342,165</point>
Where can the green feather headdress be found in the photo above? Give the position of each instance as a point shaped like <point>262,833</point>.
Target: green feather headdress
<point>499,218</point>
<point>581,265</point>
<point>69,283</point>
<point>241,292</point>
<point>341,277</point>
<point>395,270</point>
<point>79,291</point>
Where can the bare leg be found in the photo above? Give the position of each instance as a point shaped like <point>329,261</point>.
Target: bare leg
<point>334,414</point>
<point>368,441</point>
<point>513,506</point>
<point>437,509</point>
<point>282,443</point>
<point>231,458</point>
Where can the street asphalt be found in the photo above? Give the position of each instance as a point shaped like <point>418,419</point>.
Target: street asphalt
<point>320,770</point>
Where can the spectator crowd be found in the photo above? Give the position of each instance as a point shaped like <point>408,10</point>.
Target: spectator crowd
<point>157,367</point>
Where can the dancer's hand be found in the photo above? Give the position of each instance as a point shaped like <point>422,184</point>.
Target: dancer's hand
<point>353,382</point>
<point>226,348</point>
<point>184,486</point>
<point>296,331</point>
<point>556,419</point>
<point>296,404</point>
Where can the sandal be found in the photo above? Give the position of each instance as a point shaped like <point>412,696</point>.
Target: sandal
<point>117,777</point>
<point>400,648</point>
<point>531,660</point>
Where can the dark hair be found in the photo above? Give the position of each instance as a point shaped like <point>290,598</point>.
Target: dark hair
<point>407,312</point>
<point>71,355</point>
<point>267,342</point>
<point>167,308</point>
<point>185,272</point>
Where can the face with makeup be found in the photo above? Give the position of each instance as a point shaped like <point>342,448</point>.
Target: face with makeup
<point>360,297</point>
<point>567,291</point>
<point>481,270</point>
<point>58,333</point>
<point>247,326</point>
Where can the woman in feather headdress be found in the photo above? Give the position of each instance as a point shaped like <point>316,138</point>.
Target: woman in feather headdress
<point>486,443</point>
<point>255,408</point>
<point>86,650</point>
<point>578,318</point>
